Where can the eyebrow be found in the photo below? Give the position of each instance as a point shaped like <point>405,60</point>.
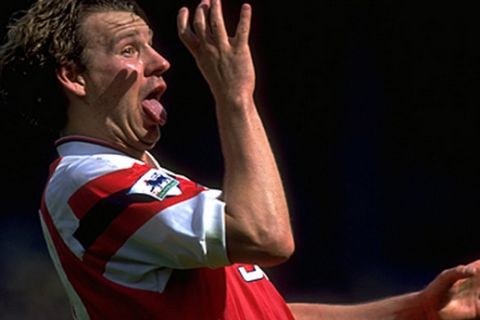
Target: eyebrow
<point>130,34</point>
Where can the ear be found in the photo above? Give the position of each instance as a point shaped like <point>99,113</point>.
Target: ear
<point>71,79</point>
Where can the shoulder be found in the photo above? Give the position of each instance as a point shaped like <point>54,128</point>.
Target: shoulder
<point>80,170</point>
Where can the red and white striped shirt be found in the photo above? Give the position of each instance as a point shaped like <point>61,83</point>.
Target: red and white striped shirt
<point>132,241</point>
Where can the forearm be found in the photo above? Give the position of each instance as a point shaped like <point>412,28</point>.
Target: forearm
<point>257,220</point>
<point>253,190</point>
<point>404,307</point>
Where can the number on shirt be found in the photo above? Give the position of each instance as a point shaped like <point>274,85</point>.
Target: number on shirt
<point>251,275</point>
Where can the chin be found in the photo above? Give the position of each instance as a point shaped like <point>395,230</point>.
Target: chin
<point>150,139</point>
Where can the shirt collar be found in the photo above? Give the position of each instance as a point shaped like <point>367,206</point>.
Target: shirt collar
<point>80,145</point>
<point>77,145</point>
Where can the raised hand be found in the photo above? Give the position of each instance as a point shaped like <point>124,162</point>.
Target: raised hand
<point>225,62</point>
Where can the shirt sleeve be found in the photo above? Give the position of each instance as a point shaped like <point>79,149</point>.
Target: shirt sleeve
<point>139,215</point>
<point>188,234</point>
<point>160,220</point>
<point>135,224</point>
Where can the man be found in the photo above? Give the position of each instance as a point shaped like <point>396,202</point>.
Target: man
<point>132,240</point>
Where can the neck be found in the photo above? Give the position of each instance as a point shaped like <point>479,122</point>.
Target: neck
<point>111,143</point>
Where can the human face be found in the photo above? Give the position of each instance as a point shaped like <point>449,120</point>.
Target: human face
<point>123,80</point>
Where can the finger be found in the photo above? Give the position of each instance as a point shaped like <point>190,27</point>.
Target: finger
<point>199,21</point>
<point>185,31</point>
<point>217,23</point>
<point>475,264</point>
<point>243,29</point>
<point>448,277</point>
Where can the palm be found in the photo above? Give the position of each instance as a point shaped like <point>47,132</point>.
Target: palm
<point>454,295</point>
<point>462,302</point>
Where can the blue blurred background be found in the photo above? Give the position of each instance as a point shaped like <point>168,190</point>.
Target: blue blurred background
<point>372,110</point>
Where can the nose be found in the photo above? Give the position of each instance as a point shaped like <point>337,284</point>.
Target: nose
<point>156,64</point>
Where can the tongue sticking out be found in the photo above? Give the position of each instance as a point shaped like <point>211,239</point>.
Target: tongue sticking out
<point>155,111</point>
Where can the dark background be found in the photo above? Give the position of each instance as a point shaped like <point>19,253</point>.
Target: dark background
<point>372,110</point>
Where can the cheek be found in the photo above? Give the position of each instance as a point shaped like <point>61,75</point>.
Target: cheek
<point>133,79</point>
<point>125,84</point>
<point>115,82</point>
<point>131,65</point>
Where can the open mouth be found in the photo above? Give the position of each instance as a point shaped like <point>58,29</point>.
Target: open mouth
<point>155,93</point>
<point>153,108</point>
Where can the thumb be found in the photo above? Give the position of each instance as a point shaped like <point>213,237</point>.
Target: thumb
<point>445,280</point>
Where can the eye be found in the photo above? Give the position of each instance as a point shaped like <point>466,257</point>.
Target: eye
<point>129,51</point>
